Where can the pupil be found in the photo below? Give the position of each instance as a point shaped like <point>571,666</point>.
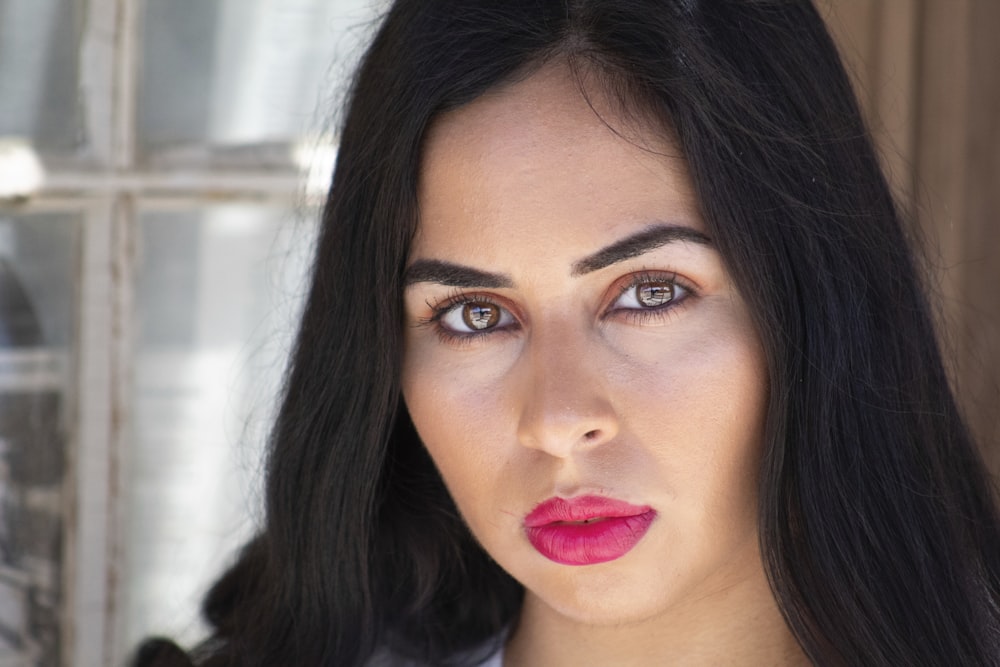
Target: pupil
<point>480,315</point>
<point>654,294</point>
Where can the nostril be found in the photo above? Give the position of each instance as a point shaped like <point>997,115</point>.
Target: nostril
<point>591,435</point>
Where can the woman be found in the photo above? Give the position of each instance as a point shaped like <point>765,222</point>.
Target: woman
<point>615,353</point>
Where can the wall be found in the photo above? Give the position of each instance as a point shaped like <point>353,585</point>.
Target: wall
<point>928,77</point>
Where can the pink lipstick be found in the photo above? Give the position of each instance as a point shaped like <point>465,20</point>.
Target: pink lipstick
<point>586,530</point>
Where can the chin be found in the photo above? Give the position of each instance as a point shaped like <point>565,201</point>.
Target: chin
<point>609,594</point>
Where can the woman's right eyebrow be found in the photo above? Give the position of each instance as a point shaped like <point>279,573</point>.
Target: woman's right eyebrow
<point>453,275</point>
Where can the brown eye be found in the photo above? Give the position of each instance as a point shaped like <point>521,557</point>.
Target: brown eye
<point>475,316</point>
<point>653,294</point>
<point>479,316</point>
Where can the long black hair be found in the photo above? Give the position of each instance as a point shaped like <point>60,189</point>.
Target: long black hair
<point>878,525</point>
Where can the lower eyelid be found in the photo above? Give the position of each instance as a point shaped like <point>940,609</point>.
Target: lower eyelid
<point>463,338</point>
<point>651,316</point>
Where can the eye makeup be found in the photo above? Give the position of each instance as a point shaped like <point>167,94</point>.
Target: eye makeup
<point>451,313</point>
<point>669,289</point>
<point>642,298</point>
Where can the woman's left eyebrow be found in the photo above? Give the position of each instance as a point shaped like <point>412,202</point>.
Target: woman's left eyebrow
<point>458,275</point>
<point>638,244</point>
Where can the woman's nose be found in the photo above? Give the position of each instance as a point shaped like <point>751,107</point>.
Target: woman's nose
<point>565,405</point>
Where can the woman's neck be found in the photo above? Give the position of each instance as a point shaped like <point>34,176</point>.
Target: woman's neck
<point>737,625</point>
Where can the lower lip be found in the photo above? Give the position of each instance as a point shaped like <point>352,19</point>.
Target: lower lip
<point>590,543</point>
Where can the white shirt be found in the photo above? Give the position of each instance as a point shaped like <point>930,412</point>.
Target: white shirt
<point>496,660</point>
<point>383,658</point>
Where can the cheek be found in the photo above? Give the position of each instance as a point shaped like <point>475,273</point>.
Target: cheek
<point>700,404</point>
<point>462,423</point>
<point>691,408</point>
<point>456,395</point>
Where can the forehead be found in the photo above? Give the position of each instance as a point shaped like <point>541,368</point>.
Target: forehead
<point>555,102</point>
<point>544,152</point>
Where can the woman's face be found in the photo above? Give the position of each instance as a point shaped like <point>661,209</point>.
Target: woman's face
<point>578,362</point>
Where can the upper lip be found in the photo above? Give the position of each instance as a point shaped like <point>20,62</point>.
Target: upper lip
<point>581,508</point>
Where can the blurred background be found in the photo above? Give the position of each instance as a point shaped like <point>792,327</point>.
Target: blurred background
<point>161,167</point>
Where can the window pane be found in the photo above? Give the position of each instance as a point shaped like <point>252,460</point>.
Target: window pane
<point>216,305</point>
<point>242,73</point>
<point>39,40</point>
<point>38,260</point>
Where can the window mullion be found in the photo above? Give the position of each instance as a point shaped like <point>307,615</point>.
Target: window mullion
<point>97,78</point>
<point>101,374</point>
<point>126,93</point>
<point>93,541</point>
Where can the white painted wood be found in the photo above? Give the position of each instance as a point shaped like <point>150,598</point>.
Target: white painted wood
<point>205,183</point>
<point>97,423</point>
<point>126,84</point>
<point>122,290</point>
<point>97,68</point>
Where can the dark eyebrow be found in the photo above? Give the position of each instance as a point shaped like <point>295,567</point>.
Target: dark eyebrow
<point>637,244</point>
<point>453,275</point>
<point>457,275</point>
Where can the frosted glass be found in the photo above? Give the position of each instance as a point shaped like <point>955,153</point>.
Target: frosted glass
<point>217,296</point>
<point>38,264</point>
<point>244,73</point>
<point>39,97</point>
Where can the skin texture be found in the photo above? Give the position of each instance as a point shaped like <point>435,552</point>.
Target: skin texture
<point>578,389</point>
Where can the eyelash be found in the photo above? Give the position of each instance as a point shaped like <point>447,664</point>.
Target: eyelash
<point>441,308</point>
<point>655,313</point>
<point>446,305</point>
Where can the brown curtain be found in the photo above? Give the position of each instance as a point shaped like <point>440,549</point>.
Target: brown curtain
<point>928,74</point>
